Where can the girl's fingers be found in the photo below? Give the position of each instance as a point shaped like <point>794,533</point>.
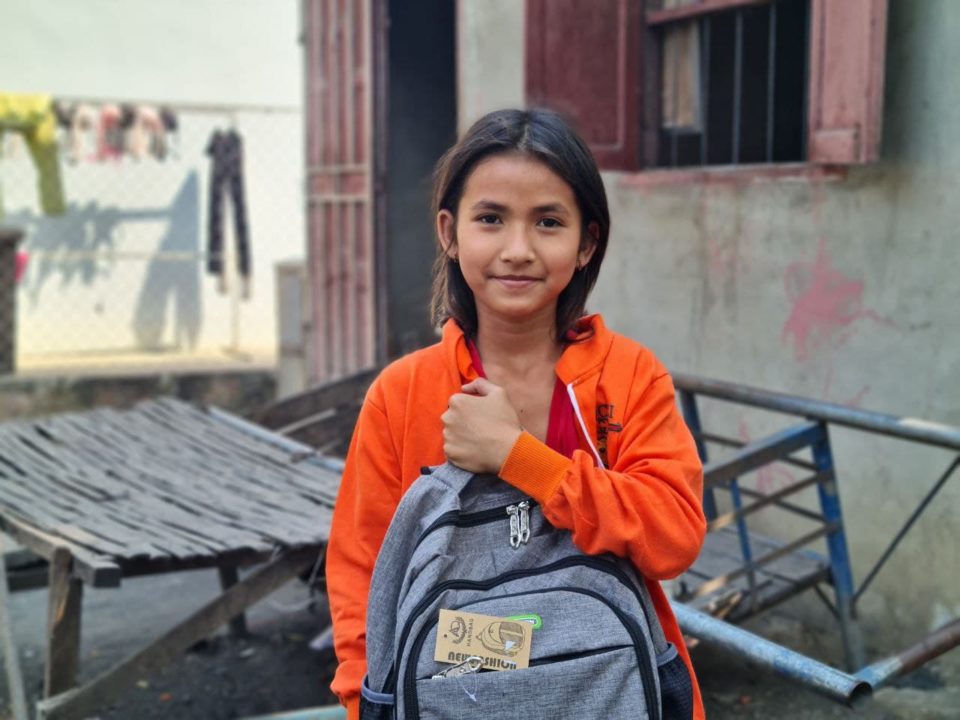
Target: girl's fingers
<point>480,386</point>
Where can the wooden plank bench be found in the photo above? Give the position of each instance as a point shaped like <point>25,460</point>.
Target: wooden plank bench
<point>106,494</point>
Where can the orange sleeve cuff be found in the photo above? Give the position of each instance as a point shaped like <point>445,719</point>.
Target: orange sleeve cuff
<point>534,468</point>
<point>353,707</point>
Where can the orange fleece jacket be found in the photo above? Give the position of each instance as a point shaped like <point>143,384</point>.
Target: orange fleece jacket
<point>646,506</point>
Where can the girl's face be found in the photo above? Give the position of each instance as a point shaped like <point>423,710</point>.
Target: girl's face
<point>517,237</point>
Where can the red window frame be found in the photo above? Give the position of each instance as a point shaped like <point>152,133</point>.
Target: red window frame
<point>597,61</point>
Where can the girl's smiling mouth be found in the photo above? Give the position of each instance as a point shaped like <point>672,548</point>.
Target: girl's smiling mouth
<point>516,281</point>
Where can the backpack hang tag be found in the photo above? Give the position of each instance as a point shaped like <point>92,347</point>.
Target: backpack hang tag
<point>501,643</point>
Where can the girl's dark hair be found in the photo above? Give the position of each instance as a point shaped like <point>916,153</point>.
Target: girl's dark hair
<point>545,136</point>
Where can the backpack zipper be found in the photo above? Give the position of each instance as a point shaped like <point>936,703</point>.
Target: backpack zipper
<point>471,665</point>
<point>474,663</point>
<point>519,534</point>
<point>646,671</point>
<point>564,657</point>
<point>519,515</point>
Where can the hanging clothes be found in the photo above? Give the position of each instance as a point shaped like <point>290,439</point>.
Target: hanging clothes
<point>171,125</point>
<point>33,117</point>
<point>20,265</point>
<point>83,122</point>
<point>226,175</point>
<point>111,134</point>
<point>146,134</point>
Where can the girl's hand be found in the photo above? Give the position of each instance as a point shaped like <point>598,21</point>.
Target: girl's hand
<point>480,427</point>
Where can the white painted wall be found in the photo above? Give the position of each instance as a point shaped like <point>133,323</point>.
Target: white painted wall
<point>221,51</point>
<point>211,52</point>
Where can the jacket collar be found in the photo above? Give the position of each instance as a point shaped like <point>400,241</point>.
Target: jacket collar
<point>581,358</point>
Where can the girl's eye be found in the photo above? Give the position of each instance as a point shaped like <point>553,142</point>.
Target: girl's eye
<point>488,219</point>
<point>550,223</point>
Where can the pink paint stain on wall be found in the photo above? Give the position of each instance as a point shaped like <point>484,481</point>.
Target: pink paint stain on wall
<point>826,305</point>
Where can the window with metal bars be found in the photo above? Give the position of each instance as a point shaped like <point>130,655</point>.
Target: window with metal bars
<point>733,84</point>
<point>656,84</point>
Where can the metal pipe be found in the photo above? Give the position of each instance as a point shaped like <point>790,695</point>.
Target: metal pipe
<point>906,528</point>
<point>771,77</point>
<point>18,698</point>
<point>933,645</point>
<point>737,88</point>
<point>907,428</point>
<point>705,50</point>
<point>691,416</point>
<point>840,571</point>
<point>793,666</point>
<point>744,536</point>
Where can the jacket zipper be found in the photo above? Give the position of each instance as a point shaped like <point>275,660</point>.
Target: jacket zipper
<point>583,426</point>
<point>643,652</point>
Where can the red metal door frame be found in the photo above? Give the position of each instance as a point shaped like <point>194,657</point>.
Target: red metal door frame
<point>344,62</point>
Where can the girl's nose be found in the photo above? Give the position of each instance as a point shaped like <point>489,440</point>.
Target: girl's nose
<point>517,247</point>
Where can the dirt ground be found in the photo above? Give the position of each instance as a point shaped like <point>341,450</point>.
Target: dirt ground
<point>274,669</point>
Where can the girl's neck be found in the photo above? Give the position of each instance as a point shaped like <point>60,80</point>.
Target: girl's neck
<point>516,347</point>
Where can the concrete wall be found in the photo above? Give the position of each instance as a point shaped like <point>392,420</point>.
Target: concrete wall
<point>123,271</point>
<point>489,57</point>
<point>843,290</point>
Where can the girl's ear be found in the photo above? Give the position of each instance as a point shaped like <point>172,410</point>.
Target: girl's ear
<point>590,246</point>
<point>446,232</point>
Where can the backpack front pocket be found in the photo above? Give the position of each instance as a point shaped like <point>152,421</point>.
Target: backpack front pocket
<point>607,682</point>
<point>579,629</point>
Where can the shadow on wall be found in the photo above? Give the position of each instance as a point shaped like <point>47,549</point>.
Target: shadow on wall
<point>80,247</point>
<point>173,284</point>
<point>73,248</point>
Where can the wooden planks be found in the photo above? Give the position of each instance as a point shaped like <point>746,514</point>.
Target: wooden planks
<point>63,625</point>
<point>163,484</point>
<point>86,700</point>
<point>94,569</point>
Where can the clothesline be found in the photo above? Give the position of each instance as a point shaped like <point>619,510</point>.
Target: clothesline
<point>103,130</point>
<point>186,107</point>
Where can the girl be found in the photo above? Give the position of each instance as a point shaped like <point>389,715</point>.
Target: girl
<point>522,383</point>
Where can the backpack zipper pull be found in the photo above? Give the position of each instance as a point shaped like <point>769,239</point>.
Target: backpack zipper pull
<point>514,513</point>
<point>471,665</point>
<point>524,534</point>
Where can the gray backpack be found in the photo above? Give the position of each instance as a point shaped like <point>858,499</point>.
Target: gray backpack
<point>472,542</point>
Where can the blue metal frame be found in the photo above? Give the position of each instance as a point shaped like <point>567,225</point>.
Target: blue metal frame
<point>813,433</point>
<point>691,414</point>
<point>778,447</point>
<point>840,570</point>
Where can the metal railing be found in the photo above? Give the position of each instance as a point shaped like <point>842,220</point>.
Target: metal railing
<point>780,447</point>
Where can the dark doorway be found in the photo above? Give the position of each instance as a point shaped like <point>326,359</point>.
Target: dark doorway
<point>421,123</point>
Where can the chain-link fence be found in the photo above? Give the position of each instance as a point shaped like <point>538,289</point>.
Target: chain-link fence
<point>132,272</point>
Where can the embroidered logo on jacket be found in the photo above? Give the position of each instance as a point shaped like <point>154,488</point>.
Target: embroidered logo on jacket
<point>605,426</point>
